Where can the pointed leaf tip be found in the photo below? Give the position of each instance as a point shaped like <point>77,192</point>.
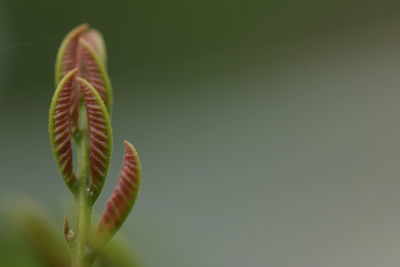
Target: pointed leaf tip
<point>100,137</point>
<point>68,52</point>
<point>60,128</point>
<point>123,196</point>
<point>96,40</point>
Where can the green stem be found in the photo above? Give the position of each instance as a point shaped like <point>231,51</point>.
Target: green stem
<point>81,251</point>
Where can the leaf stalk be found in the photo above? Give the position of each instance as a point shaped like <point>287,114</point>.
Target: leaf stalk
<point>81,253</point>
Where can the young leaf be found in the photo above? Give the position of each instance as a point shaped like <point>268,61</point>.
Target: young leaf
<point>89,59</point>
<point>93,70</point>
<point>95,39</point>
<point>123,196</point>
<point>100,137</point>
<point>67,57</point>
<point>60,129</point>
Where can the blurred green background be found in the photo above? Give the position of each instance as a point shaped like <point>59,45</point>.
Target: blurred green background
<point>268,130</point>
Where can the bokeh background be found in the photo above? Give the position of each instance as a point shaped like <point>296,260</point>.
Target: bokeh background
<point>269,130</point>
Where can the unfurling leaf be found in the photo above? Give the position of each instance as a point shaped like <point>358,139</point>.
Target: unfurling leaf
<point>95,39</point>
<point>67,57</point>
<point>123,196</point>
<point>60,129</point>
<point>80,122</point>
<point>100,137</point>
<point>84,49</point>
<point>93,70</point>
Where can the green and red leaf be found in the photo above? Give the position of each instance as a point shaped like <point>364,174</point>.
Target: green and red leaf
<point>67,57</point>
<point>93,70</point>
<point>95,39</point>
<point>100,137</point>
<point>123,196</point>
<point>84,49</point>
<point>60,128</point>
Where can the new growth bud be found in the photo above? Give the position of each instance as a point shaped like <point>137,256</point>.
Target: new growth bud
<point>80,123</point>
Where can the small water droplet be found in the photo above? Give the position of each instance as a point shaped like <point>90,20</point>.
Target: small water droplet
<point>89,191</point>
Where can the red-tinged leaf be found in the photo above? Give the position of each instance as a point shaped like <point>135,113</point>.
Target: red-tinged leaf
<point>123,196</point>
<point>93,70</point>
<point>67,57</point>
<point>100,137</point>
<point>60,128</point>
<point>89,59</point>
<point>95,39</point>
